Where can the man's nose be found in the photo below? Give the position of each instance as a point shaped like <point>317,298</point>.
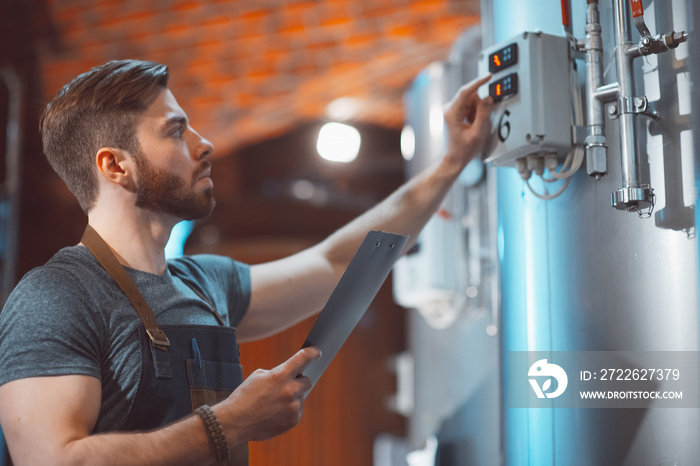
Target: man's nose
<point>204,147</point>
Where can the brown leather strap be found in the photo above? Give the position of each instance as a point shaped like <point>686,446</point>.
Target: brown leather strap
<point>100,249</point>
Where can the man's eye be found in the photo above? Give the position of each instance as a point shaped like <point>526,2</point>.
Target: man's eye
<point>178,131</point>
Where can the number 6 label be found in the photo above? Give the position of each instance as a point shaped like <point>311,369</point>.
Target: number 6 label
<point>504,126</point>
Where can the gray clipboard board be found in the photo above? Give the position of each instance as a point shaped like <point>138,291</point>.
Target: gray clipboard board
<point>355,291</point>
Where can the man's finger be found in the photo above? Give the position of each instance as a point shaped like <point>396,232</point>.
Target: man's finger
<point>465,100</point>
<point>303,385</point>
<point>297,363</point>
<point>483,112</point>
<point>471,87</point>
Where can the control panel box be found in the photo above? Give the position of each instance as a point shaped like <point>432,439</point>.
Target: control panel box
<point>531,86</point>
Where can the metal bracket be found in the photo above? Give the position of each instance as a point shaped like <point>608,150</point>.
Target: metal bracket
<point>648,110</point>
<point>637,105</point>
<point>578,49</point>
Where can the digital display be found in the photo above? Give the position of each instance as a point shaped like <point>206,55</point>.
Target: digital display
<point>507,56</point>
<point>504,88</point>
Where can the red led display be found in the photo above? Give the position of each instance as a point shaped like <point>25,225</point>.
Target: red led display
<point>507,56</point>
<point>504,88</point>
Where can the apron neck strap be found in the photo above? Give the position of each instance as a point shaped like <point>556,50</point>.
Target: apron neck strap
<point>104,255</point>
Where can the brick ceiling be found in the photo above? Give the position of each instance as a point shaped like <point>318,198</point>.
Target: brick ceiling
<point>250,69</point>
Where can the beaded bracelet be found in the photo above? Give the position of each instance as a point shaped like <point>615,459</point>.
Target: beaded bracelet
<point>216,433</point>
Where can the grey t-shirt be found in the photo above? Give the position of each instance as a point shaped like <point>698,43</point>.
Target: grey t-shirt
<point>69,317</point>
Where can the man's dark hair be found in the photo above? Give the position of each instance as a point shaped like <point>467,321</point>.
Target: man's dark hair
<point>97,109</point>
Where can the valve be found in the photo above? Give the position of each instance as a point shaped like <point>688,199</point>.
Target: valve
<point>648,44</point>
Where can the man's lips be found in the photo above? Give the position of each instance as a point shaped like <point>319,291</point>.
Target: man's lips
<point>204,171</point>
<point>205,174</point>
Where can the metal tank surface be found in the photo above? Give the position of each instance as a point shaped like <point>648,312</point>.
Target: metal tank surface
<point>695,74</point>
<point>451,370</point>
<point>579,275</point>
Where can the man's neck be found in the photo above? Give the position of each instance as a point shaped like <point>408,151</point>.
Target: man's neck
<point>138,239</point>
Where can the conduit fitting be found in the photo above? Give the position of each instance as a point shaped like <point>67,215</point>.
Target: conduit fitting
<point>535,163</point>
<point>551,163</point>
<point>596,156</point>
<point>524,172</point>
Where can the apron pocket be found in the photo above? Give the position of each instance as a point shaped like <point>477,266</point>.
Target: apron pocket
<point>211,381</point>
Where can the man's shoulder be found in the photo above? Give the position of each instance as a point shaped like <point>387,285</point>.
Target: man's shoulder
<point>201,259</point>
<point>55,305</point>
<point>71,258</point>
<point>70,268</point>
<point>205,265</point>
<point>224,280</point>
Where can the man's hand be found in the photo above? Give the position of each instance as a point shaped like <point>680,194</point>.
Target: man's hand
<point>468,122</point>
<point>267,403</point>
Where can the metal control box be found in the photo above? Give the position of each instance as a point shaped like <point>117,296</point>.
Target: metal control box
<point>531,86</point>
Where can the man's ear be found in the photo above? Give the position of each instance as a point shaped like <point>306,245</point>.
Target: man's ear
<point>116,166</point>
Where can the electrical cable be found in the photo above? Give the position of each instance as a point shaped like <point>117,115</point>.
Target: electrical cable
<point>564,167</point>
<point>548,197</point>
<point>576,154</point>
<point>574,159</point>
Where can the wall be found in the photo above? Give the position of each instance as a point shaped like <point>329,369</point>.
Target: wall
<point>243,70</point>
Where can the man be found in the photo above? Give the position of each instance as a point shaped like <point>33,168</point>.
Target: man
<point>94,372</point>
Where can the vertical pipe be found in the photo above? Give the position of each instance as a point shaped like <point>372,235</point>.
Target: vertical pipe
<point>629,140</point>
<point>633,196</point>
<point>596,150</point>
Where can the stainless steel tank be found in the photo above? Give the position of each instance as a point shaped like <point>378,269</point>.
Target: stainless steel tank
<point>578,275</point>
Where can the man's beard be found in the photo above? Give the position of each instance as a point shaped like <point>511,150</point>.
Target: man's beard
<point>161,191</point>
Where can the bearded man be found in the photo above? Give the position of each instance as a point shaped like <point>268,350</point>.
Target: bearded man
<point>108,349</point>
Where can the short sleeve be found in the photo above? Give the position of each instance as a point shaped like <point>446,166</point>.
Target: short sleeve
<point>48,328</point>
<point>224,281</point>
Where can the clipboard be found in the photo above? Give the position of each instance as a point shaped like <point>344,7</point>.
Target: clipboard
<point>351,297</point>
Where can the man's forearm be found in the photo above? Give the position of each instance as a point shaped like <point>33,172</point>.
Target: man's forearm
<point>182,443</point>
<point>406,211</point>
<point>317,270</point>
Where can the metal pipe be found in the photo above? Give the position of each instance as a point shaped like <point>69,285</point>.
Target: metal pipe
<point>596,149</point>
<point>608,93</point>
<point>633,195</point>
<point>628,119</point>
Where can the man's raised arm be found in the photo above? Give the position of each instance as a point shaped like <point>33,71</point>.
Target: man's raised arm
<point>289,290</point>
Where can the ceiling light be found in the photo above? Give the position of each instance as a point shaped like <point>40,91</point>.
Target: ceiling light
<point>408,142</point>
<point>338,142</point>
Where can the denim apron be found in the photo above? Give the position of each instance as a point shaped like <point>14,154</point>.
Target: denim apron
<point>182,366</point>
